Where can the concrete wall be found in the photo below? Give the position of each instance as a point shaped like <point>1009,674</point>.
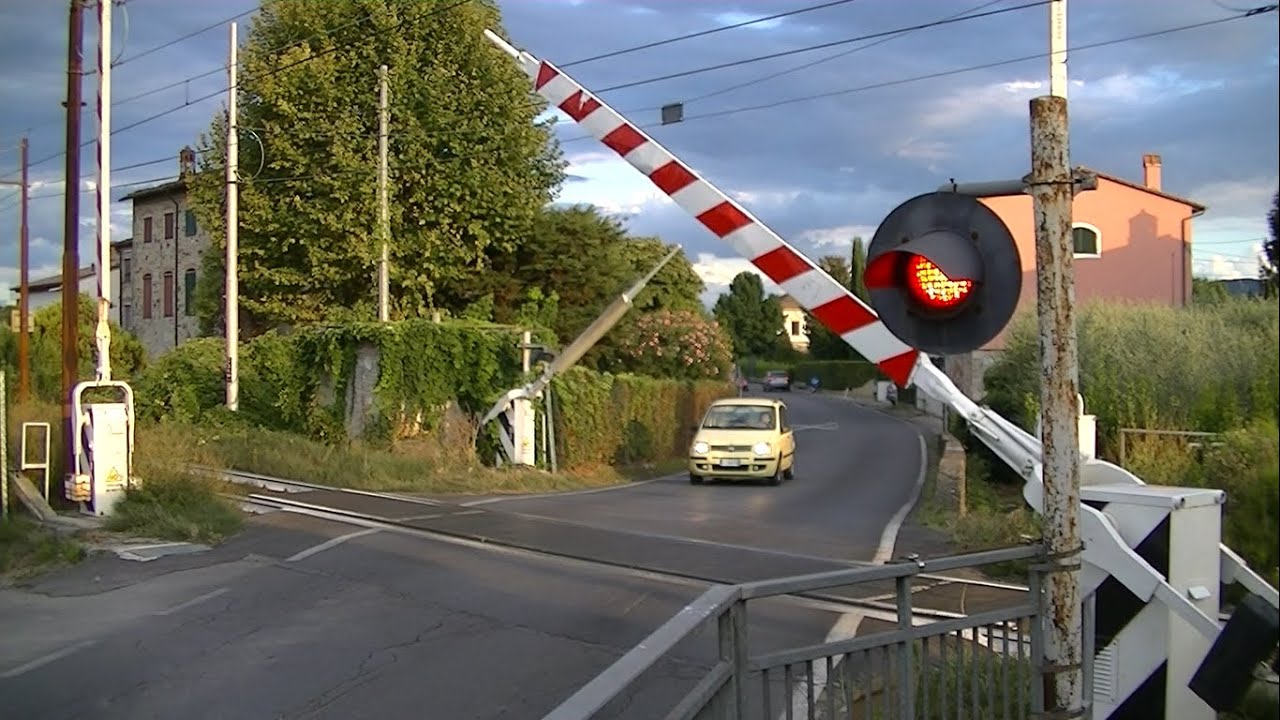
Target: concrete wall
<point>152,259</point>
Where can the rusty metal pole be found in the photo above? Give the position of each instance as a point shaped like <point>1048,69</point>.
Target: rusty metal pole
<point>71,228</point>
<point>1052,193</point>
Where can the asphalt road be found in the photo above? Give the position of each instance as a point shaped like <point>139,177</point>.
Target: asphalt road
<point>301,617</point>
<point>856,469</point>
<point>379,626</point>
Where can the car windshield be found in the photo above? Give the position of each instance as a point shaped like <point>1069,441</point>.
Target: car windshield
<point>740,417</point>
<point>776,374</point>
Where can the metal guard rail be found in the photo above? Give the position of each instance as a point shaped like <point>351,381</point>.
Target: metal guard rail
<point>725,603</point>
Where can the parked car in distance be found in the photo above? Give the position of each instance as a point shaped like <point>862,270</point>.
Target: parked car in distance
<point>777,380</point>
<point>743,439</point>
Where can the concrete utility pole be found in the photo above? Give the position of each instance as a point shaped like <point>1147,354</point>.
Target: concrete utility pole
<point>71,228</point>
<point>1052,193</point>
<point>232,309</point>
<point>102,332</point>
<point>384,220</point>
<point>24,362</point>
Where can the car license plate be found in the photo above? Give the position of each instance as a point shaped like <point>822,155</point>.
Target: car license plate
<point>730,462</point>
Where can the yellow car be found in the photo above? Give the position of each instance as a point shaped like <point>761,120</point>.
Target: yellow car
<point>743,439</point>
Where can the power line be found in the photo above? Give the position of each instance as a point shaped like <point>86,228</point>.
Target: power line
<point>821,46</point>
<point>829,58</point>
<point>703,33</point>
<point>274,71</point>
<point>941,74</point>
<point>186,37</point>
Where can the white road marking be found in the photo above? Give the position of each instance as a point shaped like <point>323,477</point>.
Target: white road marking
<point>193,601</point>
<point>330,543</point>
<point>45,660</point>
<point>846,626</point>
<point>889,537</point>
<point>819,426</point>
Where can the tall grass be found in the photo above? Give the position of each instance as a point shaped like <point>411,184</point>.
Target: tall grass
<point>1209,368</point>
<point>1214,368</point>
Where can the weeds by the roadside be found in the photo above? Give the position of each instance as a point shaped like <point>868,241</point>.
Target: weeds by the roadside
<point>26,547</point>
<point>417,466</point>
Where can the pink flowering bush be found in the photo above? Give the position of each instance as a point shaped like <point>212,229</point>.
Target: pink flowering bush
<point>679,344</point>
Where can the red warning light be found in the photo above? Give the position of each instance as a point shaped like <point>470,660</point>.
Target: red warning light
<point>931,287</point>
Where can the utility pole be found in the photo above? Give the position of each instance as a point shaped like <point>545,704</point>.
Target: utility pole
<point>1052,192</point>
<point>71,228</point>
<point>24,362</point>
<point>232,309</point>
<point>384,221</point>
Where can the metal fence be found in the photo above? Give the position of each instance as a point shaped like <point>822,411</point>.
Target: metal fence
<point>978,666</point>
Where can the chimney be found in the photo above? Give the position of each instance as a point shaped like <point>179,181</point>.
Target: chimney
<point>1151,171</point>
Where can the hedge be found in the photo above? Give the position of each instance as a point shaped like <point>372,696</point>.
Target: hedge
<point>300,383</point>
<point>604,419</point>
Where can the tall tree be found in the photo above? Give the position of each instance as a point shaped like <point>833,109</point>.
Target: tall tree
<point>752,319</point>
<point>824,344</point>
<point>1272,264</point>
<point>676,287</point>
<point>857,267</point>
<point>470,168</point>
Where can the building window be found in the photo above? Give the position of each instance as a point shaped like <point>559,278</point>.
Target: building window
<point>168,294</point>
<point>146,296</point>
<point>168,226</point>
<point>126,316</point>
<point>795,328</point>
<point>190,219</point>
<point>1087,240</point>
<point>189,292</point>
<point>146,229</point>
<point>126,271</point>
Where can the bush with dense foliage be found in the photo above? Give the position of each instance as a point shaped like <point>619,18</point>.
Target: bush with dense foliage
<point>1210,368</point>
<point>1143,366</point>
<point>604,419</point>
<point>680,344</point>
<point>45,349</point>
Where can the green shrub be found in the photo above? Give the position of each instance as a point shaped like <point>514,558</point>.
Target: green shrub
<point>837,374</point>
<point>1203,368</point>
<point>604,419</point>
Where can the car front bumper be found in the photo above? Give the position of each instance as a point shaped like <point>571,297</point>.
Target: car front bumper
<point>733,466</point>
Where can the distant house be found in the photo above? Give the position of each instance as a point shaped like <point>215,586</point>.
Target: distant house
<point>794,323</point>
<point>1132,243</point>
<point>164,260</point>
<point>45,291</point>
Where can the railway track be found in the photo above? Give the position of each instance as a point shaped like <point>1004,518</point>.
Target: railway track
<point>935,596</point>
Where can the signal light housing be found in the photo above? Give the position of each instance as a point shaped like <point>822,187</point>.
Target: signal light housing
<point>944,273</point>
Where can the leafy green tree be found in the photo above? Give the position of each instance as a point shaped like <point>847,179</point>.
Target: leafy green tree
<point>857,268</point>
<point>1271,265</point>
<point>824,344</point>
<point>675,287</point>
<point>470,169</point>
<point>752,319</point>
<point>1208,292</point>
<point>127,354</point>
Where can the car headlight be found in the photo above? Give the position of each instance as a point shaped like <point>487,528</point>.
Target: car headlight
<point>700,448</point>
<point>762,448</point>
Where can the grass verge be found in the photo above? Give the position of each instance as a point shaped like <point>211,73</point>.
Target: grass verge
<point>994,513</point>
<point>28,548</point>
<point>415,466</point>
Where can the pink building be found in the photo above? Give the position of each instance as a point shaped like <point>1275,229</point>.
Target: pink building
<point>1132,243</point>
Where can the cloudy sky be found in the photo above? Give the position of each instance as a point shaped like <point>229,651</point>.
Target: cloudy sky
<point>900,114</point>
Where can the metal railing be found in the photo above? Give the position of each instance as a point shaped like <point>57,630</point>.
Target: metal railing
<point>979,666</point>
